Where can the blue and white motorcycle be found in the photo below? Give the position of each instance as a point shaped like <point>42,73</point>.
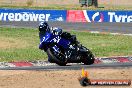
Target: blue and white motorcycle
<point>61,50</point>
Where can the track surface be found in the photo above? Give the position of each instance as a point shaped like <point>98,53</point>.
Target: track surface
<point>70,67</point>
<point>102,27</point>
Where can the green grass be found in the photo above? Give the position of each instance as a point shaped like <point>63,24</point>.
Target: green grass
<point>21,44</point>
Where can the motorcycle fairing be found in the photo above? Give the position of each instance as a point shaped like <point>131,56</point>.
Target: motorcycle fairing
<point>48,38</point>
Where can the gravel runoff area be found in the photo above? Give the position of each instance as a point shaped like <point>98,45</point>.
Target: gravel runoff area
<point>60,78</point>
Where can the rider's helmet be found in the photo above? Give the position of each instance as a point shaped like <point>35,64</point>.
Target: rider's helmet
<point>43,27</point>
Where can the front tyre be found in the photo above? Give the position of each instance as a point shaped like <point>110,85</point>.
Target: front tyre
<point>58,59</point>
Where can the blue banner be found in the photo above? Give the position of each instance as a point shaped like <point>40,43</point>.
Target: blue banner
<point>65,15</point>
<point>110,16</point>
<point>98,16</point>
<point>32,15</point>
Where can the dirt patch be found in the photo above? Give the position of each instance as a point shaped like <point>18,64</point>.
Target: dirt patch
<point>10,73</point>
<point>59,79</point>
<point>6,43</point>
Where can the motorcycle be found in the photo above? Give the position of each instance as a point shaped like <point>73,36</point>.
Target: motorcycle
<point>62,51</point>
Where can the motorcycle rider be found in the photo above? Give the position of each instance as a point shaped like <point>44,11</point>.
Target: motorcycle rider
<point>44,27</point>
<point>74,52</point>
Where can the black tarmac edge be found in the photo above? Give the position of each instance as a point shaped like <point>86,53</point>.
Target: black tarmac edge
<point>71,67</point>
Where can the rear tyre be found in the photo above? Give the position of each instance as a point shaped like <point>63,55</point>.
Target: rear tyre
<point>87,57</point>
<point>58,59</point>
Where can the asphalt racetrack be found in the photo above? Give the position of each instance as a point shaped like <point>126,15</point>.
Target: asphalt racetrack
<point>71,67</point>
<point>125,28</point>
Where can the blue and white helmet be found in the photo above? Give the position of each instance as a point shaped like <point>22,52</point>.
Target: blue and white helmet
<point>43,27</point>
<point>56,30</point>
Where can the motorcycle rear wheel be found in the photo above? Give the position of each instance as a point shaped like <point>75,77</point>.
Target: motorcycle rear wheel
<point>54,58</point>
<point>88,57</point>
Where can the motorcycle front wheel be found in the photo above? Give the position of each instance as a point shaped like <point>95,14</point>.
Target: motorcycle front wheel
<point>56,58</point>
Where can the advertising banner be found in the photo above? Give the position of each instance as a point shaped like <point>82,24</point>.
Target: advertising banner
<point>32,15</point>
<point>98,16</point>
<point>65,15</point>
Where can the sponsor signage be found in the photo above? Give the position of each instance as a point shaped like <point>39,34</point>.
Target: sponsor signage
<point>32,15</point>
<point>86,81</point>
<point>98,16</point>
<point>65,15</point>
